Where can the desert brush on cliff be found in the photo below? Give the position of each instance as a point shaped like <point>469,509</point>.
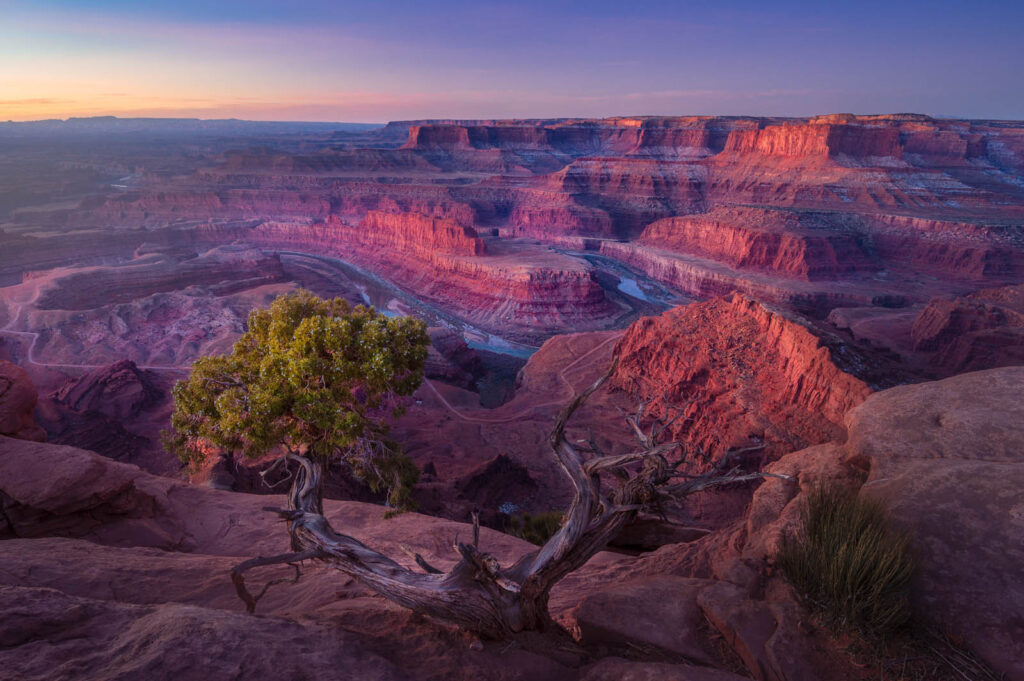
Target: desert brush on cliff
<point>536,528</point>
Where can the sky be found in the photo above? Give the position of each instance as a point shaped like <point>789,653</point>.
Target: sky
<point>375,60</point>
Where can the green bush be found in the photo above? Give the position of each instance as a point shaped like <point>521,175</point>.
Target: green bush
<point>537,528</point>
<point>848,564</point>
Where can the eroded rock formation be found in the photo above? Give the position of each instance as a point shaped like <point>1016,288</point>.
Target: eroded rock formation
<point>527,292</point>
<point>120,391</point>
<point>745,376</point>
<point>979,331</point>
<point>18,398</point>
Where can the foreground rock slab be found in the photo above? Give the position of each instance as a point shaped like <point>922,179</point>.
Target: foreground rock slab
<point>948,459</point>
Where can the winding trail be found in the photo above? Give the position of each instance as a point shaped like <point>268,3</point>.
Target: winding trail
<point>18,309</point>
<point>30,357</point>
<point>528,410</point>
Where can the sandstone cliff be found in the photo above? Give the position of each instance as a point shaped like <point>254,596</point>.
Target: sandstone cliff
<point>979,331</point>
<point>790,244</point>
<point>526,294</point>
<point>816,139</point>
<point>944,456</point>
<point>744,374</point>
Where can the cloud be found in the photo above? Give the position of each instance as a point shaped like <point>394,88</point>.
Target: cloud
<point>34,101</point>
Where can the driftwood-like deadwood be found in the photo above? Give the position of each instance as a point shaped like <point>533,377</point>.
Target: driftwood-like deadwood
<point>478,593</point>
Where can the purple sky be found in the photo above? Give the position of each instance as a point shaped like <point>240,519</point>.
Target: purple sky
<point>379,61</point>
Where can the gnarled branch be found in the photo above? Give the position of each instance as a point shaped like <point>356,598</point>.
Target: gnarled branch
<point>478,593</point>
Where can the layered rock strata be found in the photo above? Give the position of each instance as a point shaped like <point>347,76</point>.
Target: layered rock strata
<point>743,374</point>
<point>979,331</point>
<point>527,293</point>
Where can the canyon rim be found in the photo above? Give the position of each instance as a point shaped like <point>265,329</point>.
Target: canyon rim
<point>651,345</point>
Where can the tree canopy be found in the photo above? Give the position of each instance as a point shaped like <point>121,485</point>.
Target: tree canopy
<point>312,377</point>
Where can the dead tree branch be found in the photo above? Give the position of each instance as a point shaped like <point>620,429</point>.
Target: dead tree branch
<point>479,594</point>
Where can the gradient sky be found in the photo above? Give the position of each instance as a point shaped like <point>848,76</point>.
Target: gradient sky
<point>373,61</point>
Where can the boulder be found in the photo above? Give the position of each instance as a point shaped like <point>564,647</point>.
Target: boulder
<point>775,508</point>
<point>947,458</point>
<point>18,398</point>
<point>764,634</point>
<point>58,490</point>
<point>46,635</point>
<point>655,612</point>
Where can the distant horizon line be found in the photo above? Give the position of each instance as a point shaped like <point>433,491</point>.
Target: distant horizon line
<point>490,118</point>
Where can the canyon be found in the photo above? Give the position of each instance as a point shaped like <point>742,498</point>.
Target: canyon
<point>780,289</point>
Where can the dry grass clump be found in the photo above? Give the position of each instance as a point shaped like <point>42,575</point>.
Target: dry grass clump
<point>848,564</point>
<point>536,528</point>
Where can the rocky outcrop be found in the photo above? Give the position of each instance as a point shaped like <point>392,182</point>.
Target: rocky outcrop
<point>106,409</point>
<point>816,139</point>
<point>526,293</point>
<point>70,492</point>
<point>120,391</point>
<point>18,398</point>
<point>798,245</point>
<point>655,612</point>
<point>946,458</point>
<point>414,233</point>
<point>979,331</point>
<point>450,359</point>
<point>745,375</point>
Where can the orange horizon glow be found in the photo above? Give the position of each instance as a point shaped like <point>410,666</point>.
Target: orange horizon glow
<point>364,61</point>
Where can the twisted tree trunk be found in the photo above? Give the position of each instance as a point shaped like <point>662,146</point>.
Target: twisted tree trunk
<point>479,594</point>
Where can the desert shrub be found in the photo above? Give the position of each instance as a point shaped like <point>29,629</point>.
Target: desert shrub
<point>310,376</point>
<point>848,563</point>
<point>536,528</point>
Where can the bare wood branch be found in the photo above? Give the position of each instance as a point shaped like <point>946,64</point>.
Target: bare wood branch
<point>708,481</point>
<point>478,593</point>
<point>594,466</point>
<point>420,560</point>
<point>237,573</point>
<point>657,429</point>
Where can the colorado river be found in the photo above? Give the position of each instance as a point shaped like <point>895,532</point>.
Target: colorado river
<point>391,300</point>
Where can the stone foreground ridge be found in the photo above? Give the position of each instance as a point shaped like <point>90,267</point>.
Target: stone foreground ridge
<point>127,561</point>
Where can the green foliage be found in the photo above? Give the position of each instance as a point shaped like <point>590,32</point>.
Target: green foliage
<point>313,376</point>
<point>538,528</point>
<point>848,564</point>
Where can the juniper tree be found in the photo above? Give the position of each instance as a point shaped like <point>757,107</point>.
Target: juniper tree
<point>314,379</point>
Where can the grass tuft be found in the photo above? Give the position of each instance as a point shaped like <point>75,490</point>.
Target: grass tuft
<point>536,528</point>
<point>848,564</point>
